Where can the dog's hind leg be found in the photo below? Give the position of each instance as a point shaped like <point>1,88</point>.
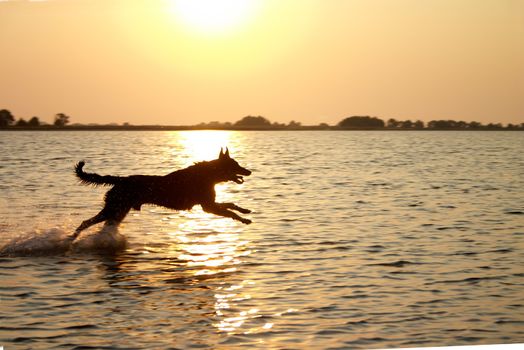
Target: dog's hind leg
<point>119,201</point>
<point>111,217</point>
<point>117,216</point>
<point>90,222</point>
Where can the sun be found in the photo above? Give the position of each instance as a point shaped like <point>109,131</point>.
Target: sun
<point>213,16</point>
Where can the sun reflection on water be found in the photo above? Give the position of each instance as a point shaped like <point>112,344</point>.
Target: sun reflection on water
<point>217,252</point>
<point>215,247</point>
<point>204,144</point>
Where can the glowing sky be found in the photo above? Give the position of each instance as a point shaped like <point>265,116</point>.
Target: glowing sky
<point>313,61</point>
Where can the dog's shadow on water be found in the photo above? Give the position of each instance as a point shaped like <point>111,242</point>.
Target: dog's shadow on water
<point>57,241</point>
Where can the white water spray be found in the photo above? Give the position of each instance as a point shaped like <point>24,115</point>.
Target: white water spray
<point>56,241</point>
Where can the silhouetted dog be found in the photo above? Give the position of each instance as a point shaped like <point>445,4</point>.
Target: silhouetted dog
<point>180,190</point>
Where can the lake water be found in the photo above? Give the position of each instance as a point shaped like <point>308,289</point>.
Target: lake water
<point>359,240</point>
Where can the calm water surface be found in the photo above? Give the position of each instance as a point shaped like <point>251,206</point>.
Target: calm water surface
<point>359,240</point>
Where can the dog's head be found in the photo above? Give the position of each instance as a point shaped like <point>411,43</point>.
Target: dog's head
<point>229,169</point>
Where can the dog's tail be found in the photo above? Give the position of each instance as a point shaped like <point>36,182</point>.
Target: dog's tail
<point>94,179</point>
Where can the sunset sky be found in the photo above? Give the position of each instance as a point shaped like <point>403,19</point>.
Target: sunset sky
<point>190,61</point>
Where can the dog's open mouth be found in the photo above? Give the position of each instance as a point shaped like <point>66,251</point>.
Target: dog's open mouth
<point>238,179</point>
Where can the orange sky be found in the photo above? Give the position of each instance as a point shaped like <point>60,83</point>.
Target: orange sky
<point>313,61</point>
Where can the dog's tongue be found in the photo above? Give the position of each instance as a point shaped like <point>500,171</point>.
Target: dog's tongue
<point>239,179</point>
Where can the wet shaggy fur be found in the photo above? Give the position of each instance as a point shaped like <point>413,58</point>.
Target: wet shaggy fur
<point>179,190</point>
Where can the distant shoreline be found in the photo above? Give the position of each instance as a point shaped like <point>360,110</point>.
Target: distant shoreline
<point>255,123</point>
<point>232,128</point>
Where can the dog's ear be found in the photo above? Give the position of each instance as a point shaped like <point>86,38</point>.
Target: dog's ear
<point>221,154</point>
<point>227,153</point>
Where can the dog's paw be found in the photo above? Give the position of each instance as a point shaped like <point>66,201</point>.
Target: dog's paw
<point>244,211</point>
<point>246,221</point>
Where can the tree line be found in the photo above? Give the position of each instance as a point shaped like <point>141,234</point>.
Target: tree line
<point>62,121</point>
<point>356,122</point>
<point>8,120</point>
<point>361,123</point>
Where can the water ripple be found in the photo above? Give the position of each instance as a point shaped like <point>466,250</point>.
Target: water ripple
<point>359,240</point>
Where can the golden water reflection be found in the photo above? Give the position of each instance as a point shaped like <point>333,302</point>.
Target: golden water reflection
<point>205,144</point>
<point>217,248</point>
<point>214,247</point>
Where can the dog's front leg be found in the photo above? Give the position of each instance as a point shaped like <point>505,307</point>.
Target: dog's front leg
<point>233,206</point>
<point>218,209</point>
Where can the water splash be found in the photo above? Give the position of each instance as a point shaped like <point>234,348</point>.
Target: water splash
<point>56,241</point>
<point>106,240</point>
